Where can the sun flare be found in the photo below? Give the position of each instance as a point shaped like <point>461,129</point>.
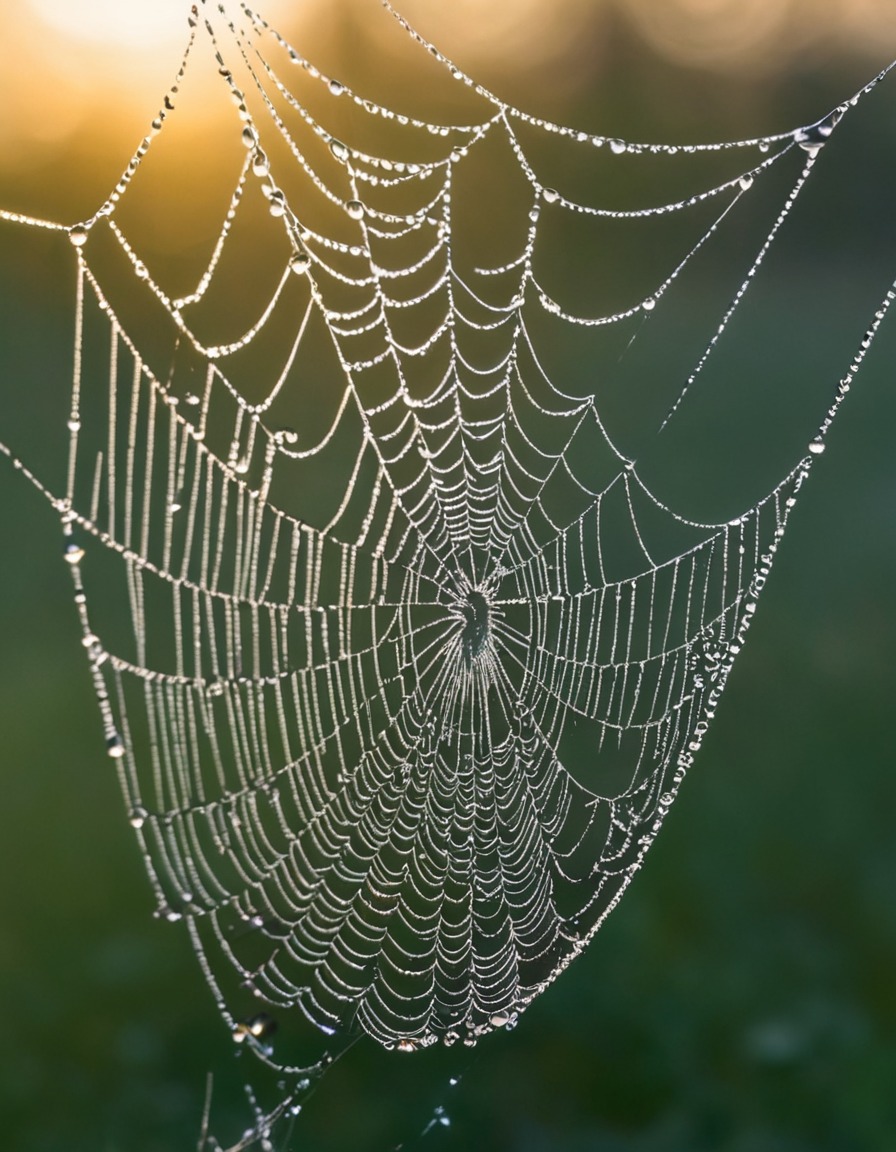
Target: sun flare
<point>138,24</point>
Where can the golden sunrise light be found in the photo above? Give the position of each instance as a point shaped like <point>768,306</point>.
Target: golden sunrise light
<point>146,24</point>
<point>87,77</point>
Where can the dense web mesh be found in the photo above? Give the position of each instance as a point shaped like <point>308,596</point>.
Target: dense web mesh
<point>414,656</point>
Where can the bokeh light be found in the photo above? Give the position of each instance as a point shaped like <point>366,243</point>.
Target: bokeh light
<point>145,24</point>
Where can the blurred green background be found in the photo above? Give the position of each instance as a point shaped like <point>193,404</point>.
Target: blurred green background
<point>742,998</point>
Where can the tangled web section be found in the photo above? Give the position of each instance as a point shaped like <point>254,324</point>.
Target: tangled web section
<point>400,657</point>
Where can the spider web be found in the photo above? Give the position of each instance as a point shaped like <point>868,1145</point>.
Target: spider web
<point>415,656</point>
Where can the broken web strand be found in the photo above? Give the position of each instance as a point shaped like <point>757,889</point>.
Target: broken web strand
<point>481,651</point>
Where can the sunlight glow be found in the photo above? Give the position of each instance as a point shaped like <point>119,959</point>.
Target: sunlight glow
<point>64,59</point>
<point>145,24</point>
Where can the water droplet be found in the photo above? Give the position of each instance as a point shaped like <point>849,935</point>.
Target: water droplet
<point>336,88</point>
<point>78,235</point>
<point>339,150</point>
<point>812,139</point>
<point>192,399</point>
<point>257,1027</point>
<point>816,447</point>
<point>649,304</point>
<point>115,746</point>
<point>355,209</point>
<point>746,182</point>
<point>617,147</point>
<point>406,1046</point>
<point>550,195</point>
<point>74,425</point>
<point>260,164</point>
<point>250,140</point>
<point>300,263</point>
<point>138,817</point>
<point>141,271</point>
<point>74,553</point>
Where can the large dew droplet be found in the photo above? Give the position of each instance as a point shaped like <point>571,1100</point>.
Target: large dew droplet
<point>813,139</point>
<point>355,209</point>
<point>115,746</point>
<point>339,150</point>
